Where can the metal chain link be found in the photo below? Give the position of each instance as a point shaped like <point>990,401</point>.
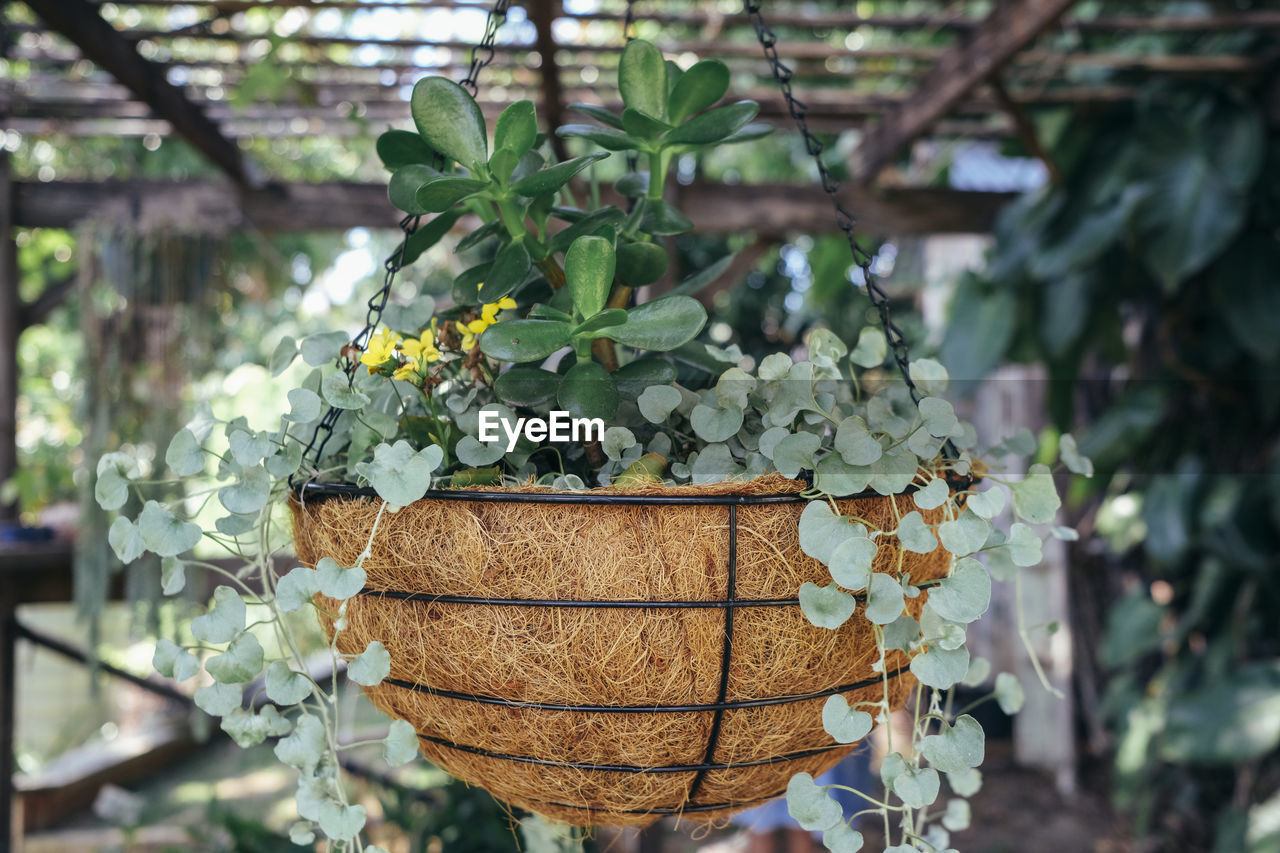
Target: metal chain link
<point>844,219</point>
<point>629,22</point>
<point>481,56</point>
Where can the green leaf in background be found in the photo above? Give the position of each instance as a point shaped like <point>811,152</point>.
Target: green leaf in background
<point>588,268</point>
<point>606,137</point>
<point>402,190</point>
<point>1009,693</point>
<point>440,194</point>
<point>632,379</point>
<point>398,148</point>
<point>554,177</point>
<point>641,263</point>
<point>642,79</point>
<point>524,340</point>
<point>662,324</point>
<point>600,114</point>
<point>1244,289</point>
<point>697,89</point>
<point>516,128</point>
<point>510,268</point>
<point>706,276</point>
<point>1233,719</point>
<point>713,126</point>
<point>663,219</point>
<point>450,121</point>
<point>588,391</point>
<point>522,385</point>
<point>283,355</point>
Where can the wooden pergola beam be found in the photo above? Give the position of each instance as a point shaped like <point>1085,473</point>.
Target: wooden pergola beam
<point>543,14</point>
<point>768,210</point>
<point>1009,28</point>
<point>79,22</point>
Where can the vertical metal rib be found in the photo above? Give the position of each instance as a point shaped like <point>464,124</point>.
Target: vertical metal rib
<point>726,655</point>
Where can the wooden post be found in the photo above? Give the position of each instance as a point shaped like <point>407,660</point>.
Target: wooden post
<point>10,310</point>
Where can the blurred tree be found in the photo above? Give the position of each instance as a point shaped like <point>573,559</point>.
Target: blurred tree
<point>1147,285</point>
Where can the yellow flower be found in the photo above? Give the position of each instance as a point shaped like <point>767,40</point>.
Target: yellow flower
<point>381,349</point>
<point>409,370</point>
<point>422,348</point>
<point>489,312</point>
<point>469,332</point>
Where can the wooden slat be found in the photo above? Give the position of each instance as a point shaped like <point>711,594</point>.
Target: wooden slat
<point>79,22</point>
<point>772,209</point>
<point>1007,30</point>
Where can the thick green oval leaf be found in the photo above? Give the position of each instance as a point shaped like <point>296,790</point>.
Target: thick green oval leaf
<point>510,268</point>
<point>397,148</point>
<point>553,178</point>
<point>601,223</point>
<point>606,137</point>
<point>662,324</point>
<point>516,129</point>
<point>713,126</point>
<point>642,78</point>
<point>440,194</point>
<point>527,386</point>
<point>664,219</point>
<point>642,126</point>
<point>588,268</point>
<point>524,340</point>
<point>750,133</point>
<point>450,121</point>
<point>503,164</point>
<point>641,263</point>
<point>606,318</point>
<point>633,378</point>
<point>698,88</point>
<point>588,391</point>
<point>402,190</point>
<point>598,113</point>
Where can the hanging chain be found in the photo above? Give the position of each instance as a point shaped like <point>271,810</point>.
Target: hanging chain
<point>629,22</point>
<point>481,56</point>
<point>844,219</point>
<point>483,53</point>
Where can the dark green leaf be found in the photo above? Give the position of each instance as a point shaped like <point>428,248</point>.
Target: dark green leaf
<point>427,236</point>
<point>633,378</point>
<point>450,121</point>
<point>980,329</point>
<point>713,126</point>
<point>466,287</point>
<point>553,178</point>
<point>548,312</point>
<point>588,391</point>
<point>443,193</point>
<point>698,88</point>
<point>632,184</point>
<point>478,236</point>
<point>398,148</point>
<point>661,325</point>
<point>588,268</point>
<point>641,263</point>
<point>750,133</point>
<point>642,78</point>
<point>524,340</point>
<point>642,126</point>
<point>516,128</point>
<point>663,219</point>
<point>606,137</point>
<point>403,187</point>
<point>1244,288</point>
<point>703,277</point>
<point>530,163</point>
<point>603,320</point>
<point>510,268</point>
<point>503,164</point>
<point>598,113</point>
<point>526,386</point>
<point>592,223</point>
<point>1232,720</point>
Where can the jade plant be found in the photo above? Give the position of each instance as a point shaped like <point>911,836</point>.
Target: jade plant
<point>544,319</point>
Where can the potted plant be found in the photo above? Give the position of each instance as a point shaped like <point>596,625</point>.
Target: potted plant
<point>580,557</point>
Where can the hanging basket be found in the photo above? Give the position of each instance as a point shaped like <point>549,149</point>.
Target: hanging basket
<point>609,657</point>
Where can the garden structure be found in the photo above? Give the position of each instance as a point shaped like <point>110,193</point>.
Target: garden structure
<point>252,89</point>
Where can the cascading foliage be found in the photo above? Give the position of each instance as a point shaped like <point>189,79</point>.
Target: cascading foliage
<point>544,318</point>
